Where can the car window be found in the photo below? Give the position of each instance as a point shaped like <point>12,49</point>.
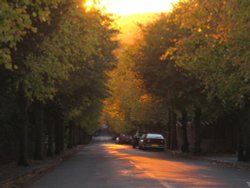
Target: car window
<point>143,136</point>
<point>155,136</point>
<point>139,134</point>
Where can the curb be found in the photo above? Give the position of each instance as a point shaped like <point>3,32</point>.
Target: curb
<point>32,174</point>
<point>21,180</point>
<point>227,164</point>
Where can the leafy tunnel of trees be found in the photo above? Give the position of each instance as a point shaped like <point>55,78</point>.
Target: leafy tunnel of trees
<point>59,78</point>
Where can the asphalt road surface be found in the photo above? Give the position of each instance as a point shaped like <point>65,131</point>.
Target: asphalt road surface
<point>104,164</point>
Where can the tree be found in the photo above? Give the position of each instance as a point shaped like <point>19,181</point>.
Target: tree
<point>17,20</point>
<point>64,47</point>
<point>82,93</point>
<point>132,109</point>
<point>20,50</point>
<point>161,75</point>
<point>214,51</point>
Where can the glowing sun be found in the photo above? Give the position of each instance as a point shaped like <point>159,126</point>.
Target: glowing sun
<point>126,7</point>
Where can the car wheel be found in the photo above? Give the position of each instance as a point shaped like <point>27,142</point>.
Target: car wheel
<point>142,147</point>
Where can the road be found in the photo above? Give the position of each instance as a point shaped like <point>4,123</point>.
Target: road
<point>104,164</point>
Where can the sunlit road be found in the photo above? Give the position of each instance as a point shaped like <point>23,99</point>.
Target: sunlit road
<point>108,165</point>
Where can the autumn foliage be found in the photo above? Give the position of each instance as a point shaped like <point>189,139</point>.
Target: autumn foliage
<point>193,66</point>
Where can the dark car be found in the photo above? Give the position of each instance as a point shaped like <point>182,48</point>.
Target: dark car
<point>124,139</point>
<point>136,139</point>
<point>151,141</point>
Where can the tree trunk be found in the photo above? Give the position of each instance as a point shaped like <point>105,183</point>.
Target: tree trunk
<point>247,136</point>
<point>39,124</point>
<point>70,136</point>
<point>240,155</point>
<point>74,136</point>
<point>247,132</point>
<point>82,137</point>
<point>185,144</point>
<point>79,136</point>
<point>23,124</point>
<point>169,130</point>
<point>51,127</point>
<point>62,136</point>
<point>58,136</point>
<point>197,129</point>
<point>173,132</point>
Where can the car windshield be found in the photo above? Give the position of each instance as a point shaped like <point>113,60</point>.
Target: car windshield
<point>156,136</point>
<point>139,134</point>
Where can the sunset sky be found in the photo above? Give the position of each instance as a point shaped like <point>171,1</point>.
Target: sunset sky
<point>127,7</point>
<point>130,13</point>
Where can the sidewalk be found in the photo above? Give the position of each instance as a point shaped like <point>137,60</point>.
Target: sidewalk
<point>12,175</point>
<point>226,160</point>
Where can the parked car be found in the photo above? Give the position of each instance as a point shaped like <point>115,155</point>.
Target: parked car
<point>114,137</point>
<point>124,139</point>
<point>151,140</point>
<point>136,139</point>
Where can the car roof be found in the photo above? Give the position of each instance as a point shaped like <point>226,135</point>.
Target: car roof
<point>154,135</point>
